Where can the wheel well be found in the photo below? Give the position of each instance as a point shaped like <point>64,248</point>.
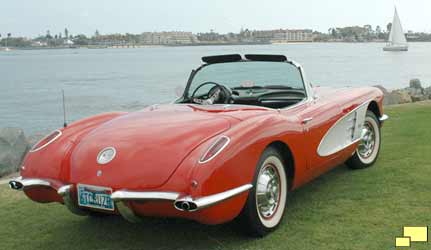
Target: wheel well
<point>289,162</point>
<point>373,107</point>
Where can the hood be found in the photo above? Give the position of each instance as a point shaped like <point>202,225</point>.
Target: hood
<point>149,144</point>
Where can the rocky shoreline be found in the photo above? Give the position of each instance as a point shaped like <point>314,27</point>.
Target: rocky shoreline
<point>14,144</point>
<point>414,93</point>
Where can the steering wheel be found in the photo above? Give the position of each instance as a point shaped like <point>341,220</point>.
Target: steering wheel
<point>217,94</point>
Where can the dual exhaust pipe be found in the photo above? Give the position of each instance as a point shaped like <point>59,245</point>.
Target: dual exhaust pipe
<point>16,185</point>
<point>186,205</point>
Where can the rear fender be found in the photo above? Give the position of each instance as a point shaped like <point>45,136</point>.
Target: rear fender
<point>53,161</point>
<point>235,165</point>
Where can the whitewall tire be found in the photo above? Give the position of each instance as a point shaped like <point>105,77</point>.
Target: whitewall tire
<point>266,201</point>
<point>368,148</point>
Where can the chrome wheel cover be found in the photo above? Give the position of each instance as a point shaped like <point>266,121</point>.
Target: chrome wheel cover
<point>268,191</point>
<point>368,141</point>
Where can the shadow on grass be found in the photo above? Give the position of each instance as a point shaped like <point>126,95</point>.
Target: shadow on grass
<point>112,232</point>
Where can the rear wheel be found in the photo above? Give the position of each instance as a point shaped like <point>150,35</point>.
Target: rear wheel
<point>266,201</point>
<point>368,148</point>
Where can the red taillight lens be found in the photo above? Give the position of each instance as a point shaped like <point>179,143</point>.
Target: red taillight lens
<point>215,149</point>
<point>46,141</point>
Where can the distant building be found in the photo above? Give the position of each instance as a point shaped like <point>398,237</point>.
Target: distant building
<point>68,42</point>
<point>211,37</point>
<point>283,36</point>
<point>39,44</point>
<point>166,38</point>
<point>412,36</point>
<point>264,35</point>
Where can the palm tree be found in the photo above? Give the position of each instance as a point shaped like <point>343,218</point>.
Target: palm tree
<point>8,36</point>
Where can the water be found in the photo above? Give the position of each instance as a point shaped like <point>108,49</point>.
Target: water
<point>102,80</point>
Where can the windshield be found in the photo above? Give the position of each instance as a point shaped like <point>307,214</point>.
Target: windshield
<point>250,74</point>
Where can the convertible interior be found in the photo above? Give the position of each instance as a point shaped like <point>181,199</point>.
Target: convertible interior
<point>260,80</point>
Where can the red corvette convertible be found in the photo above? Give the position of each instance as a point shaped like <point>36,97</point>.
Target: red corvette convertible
<point>246,131</point>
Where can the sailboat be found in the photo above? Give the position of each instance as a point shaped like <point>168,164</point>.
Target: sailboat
<point>397,39</point>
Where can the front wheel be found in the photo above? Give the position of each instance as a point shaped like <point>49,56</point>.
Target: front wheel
<point>369,146</point>
<point>266,201</point>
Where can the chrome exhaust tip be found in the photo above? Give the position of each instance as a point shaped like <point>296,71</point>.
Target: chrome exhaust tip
<point>185,205</point>
<point>16,185</point>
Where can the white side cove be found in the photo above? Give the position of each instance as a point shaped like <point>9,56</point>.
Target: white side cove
<point>346,131</point>
<point>397,36</point>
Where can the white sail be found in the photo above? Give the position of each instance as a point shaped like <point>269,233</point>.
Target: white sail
<point>397,36</point>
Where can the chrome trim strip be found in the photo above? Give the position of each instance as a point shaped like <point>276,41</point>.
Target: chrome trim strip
<point>46,144</point>
<point>65,192</point>
<point>218,152</point>
<point>384,118</point>
<point>21,184</point>
<point>217,198</point>
<point>123,195</point>
<point>335,124</point>
<point>207,201</point>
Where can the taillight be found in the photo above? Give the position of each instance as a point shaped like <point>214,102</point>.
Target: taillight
<point>215,149</point>
<point>46,141</point>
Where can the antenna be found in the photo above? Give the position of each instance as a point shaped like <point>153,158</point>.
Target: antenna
<point>64,110</point>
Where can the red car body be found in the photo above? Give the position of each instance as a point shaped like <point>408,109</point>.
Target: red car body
<point>158,152</point>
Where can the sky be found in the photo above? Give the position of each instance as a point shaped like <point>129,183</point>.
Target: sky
<point>33,17</point>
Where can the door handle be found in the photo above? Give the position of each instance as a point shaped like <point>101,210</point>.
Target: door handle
<point>307,120</point>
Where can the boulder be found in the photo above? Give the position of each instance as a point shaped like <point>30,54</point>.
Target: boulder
<point>13,147</point>
<point>417,94</point>
<point>416,91</point>
<point>389,98</point>
<point>428,92</point>
<point>415,84</point>
<point>399,97</point>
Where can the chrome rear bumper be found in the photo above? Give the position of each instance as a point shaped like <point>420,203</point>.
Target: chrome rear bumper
<point>128,195</point>
<point>190,205</point>
<point>383,118</point>
<point>185,203</point>
<point>122,197</point>
<point>21,184</point>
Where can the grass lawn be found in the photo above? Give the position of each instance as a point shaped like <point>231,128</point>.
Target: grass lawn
<point>343,209</point>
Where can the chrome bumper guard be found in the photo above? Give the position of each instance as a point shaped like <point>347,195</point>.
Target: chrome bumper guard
<point>190,205</point>
<point>183,204</point>
<point>383,118</point>
<point>20,184</point>
<point>64,192</point>
<point>121,197</point>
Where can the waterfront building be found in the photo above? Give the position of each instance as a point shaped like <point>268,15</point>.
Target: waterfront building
<point>167,38</point>
<point>285,36</point>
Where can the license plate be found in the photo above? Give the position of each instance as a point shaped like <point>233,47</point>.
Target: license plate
<point>95,197</point>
